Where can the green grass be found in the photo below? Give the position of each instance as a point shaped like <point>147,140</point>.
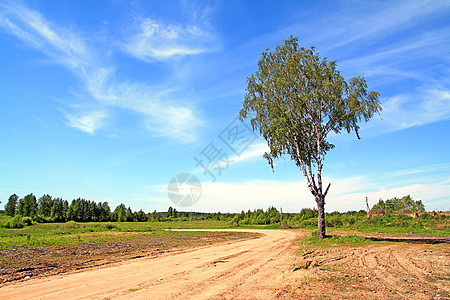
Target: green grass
<point>313,240</point>
<point>74,233</point>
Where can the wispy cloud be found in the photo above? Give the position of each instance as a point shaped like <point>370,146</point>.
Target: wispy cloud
<point>157,41</point>
<point>254,151</point>
<point>394,61</point>
<point>373,21</point>
<point>417,60</point>
<point>152,39</point>
<point>87,122</point>
<point>423,107</point>
<point>162,113</point>
<point>426,169</point>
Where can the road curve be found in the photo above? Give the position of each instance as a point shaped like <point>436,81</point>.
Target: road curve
<point>251,269</point>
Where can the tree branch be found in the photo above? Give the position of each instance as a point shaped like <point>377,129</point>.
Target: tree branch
<point>326,191</point>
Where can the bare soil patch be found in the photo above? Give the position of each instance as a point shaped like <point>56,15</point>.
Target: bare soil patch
<point>26,262</point>
<point>402,266</point>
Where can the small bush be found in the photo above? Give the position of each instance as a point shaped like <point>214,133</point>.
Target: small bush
<point>16,222</point>
<point>71,225</point>
<point>426,216</point>
<point>333,220</point>
<point>309,222</point>
<point>27,221</point>
<point>109,226</point>
<point>41,219</point>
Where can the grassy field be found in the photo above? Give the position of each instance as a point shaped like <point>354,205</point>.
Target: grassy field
<point>42,249</point>
<point>72,233</point>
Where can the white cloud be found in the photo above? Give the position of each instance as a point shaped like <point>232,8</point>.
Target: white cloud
<point>347,193</point>
<point>423,107</point>
<point>32,28</point>
<point>394,61</point>
<point>88,122</point>
<point>161,113</point>
<point>377,19</point>
<point>252,152</point>
<point>177,122</point>
<point>293,196</point>
<point>157,41</point>
<point>430,169</point>
<point>234,197</point>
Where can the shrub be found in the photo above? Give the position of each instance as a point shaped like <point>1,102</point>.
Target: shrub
<point>27,221</point>
<point>109,226</point>
<point>426,216</point>
<point>41,219</point>
<point>309,222</point>
<point>16,222</point>
<point>333,220</point>
<point>348,219</point>
<point>71,225</point>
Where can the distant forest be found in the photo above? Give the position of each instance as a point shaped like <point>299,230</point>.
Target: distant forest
<point>27,210</point>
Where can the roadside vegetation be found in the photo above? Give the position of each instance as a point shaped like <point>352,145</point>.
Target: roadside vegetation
<point>80,216</point>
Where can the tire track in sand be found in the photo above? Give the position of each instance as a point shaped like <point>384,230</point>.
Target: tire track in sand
<point>209,272</point>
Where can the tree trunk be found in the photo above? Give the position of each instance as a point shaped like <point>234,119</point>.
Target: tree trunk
<point>321,218</point>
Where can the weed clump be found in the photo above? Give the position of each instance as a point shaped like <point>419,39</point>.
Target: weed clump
<point>72,225</point>
<point>16,222</point>
<point>313,239</point>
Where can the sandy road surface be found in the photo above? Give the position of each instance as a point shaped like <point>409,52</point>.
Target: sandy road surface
<point>256,268</point>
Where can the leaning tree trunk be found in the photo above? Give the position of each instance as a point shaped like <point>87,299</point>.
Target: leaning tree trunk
<point>321,218</point>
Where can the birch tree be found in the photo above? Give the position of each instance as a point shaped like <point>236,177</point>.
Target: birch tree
<point>295,100</point>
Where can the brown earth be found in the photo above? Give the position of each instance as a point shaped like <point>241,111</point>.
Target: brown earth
<point>24,262</point>
<point>270,267</point>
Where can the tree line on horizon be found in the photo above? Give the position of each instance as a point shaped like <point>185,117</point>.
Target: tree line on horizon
<point>47,209</point>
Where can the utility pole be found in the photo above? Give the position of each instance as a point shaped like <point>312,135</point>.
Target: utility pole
<point>281,218</point>
<point>367,205</point>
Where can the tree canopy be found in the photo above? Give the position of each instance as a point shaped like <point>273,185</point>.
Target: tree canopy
<point>295,100</point>
<point>405,204</point>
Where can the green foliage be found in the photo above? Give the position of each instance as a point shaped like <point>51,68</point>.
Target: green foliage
<point>404,204</point>
<point>71,225</point>
<point>16,222</point>
<point>294,93</point>
<point>45,204</point>
<point>10,207</point>
<point>257,217</point>
<point>120,213</point>
<point>27,206</point>
<point>27,221</point>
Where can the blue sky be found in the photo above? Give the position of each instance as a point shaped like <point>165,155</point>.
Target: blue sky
<point>108,100</point>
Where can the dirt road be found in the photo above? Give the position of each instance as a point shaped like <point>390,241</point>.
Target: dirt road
<point>256,268</point>
<point>272,266</point>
